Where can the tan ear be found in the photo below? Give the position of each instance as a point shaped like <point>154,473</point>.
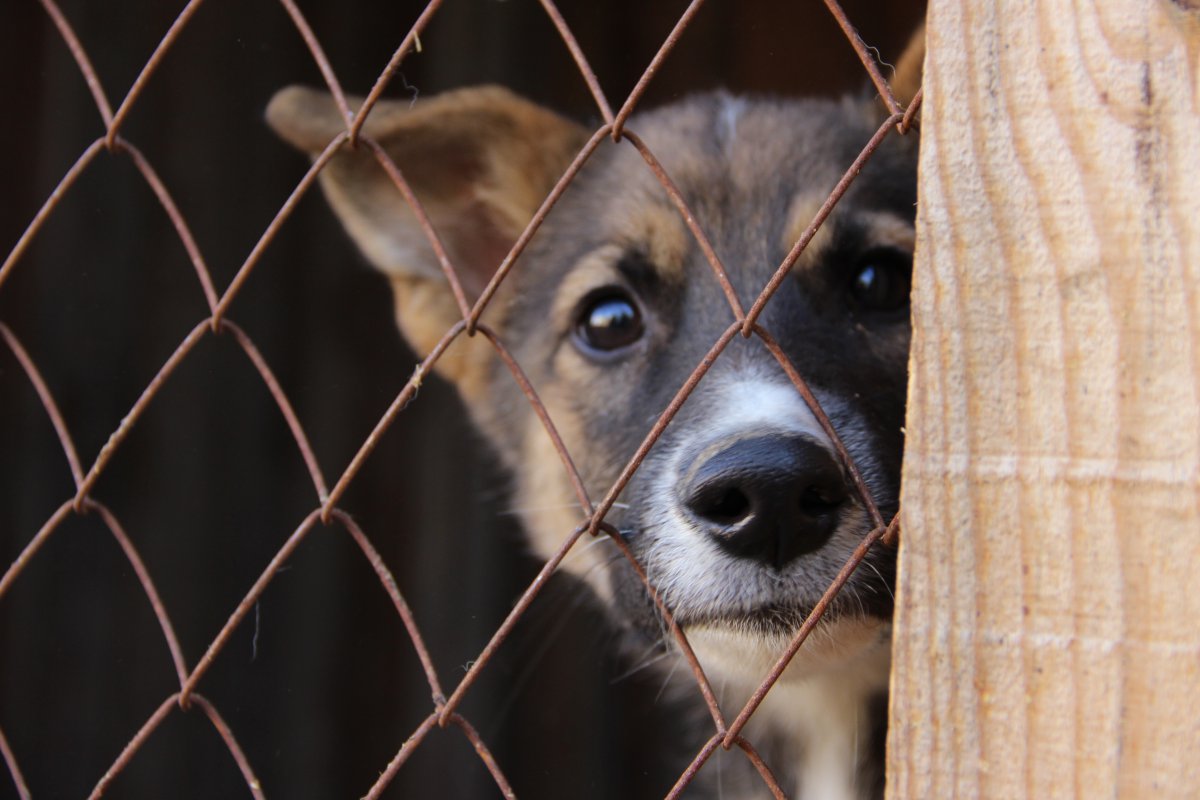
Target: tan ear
<point>480,160</point>
<point>910,68</point>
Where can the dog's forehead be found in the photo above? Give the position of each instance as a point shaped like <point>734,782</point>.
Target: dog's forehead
<point>751,146</point>
<point>749,170</point>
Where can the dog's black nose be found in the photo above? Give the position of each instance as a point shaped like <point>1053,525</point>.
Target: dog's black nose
<point>770,498</point>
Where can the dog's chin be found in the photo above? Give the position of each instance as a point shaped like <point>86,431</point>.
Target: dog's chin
<point>743,651</point>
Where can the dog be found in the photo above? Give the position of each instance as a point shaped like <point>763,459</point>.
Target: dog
<point>742,513</point>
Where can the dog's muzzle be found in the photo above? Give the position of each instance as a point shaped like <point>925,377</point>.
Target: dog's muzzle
<point>770,499</point>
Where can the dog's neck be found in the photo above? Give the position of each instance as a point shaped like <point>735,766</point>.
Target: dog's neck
<point>829,731</point>
<point>821,730</point>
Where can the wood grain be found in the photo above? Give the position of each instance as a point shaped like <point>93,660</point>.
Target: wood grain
<point>1048,609</point>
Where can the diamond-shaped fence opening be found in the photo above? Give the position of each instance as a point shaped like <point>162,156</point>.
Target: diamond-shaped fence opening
<point>217,581</point>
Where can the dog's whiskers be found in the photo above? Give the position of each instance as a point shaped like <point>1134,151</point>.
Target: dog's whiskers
<point>580,551</point>
<point>882,583</point>
<point>667,680</point>
<point>644,664</point>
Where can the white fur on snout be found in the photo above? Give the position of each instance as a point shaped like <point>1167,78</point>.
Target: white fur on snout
<point>747,406</point>
<point>727,121</point>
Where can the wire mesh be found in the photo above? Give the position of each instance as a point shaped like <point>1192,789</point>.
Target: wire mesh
<point>446,695</point>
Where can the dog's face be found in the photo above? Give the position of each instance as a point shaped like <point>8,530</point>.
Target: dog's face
<point>743,512</point>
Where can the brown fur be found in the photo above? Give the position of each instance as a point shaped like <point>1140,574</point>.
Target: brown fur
<point>481,161</point>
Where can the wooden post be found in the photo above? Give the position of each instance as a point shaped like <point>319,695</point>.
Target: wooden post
<point>1048,610</point>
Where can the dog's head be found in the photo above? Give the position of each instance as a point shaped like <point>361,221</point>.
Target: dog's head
<point>743,512</point>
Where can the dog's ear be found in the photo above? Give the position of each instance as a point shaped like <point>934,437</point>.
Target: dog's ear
<point>480,160</point>
<point>910,68</point>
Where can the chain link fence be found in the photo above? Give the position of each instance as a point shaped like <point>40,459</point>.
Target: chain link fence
<point>156,596</point>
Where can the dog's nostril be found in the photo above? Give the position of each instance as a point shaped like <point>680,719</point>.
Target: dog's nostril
<point>768,498</point>
<point>817,500</point>
<point>728,507</point>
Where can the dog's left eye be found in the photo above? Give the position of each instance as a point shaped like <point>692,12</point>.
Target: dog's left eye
<point>883,281</point>
<point>608,320</point>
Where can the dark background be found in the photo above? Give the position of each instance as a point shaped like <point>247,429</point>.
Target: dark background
<point>321,685</point>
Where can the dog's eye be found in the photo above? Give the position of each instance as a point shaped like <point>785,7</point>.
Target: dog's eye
<point>882,281</point>
<point>608,320</point>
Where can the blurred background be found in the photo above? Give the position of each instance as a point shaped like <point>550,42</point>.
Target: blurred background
<point>320,683</point>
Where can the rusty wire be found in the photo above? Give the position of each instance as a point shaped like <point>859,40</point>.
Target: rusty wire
<point>444,711</point>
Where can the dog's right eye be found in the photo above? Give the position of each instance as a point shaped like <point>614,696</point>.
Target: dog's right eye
<point>608,320</point>
<point>882,281</point>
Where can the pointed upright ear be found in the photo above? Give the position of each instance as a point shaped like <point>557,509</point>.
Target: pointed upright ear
<point>480,160</point>
<point>910,68</point>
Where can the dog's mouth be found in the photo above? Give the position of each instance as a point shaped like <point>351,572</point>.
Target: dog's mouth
<point>770,620</point>
<point>717,591</point>
<point>778,616</point>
